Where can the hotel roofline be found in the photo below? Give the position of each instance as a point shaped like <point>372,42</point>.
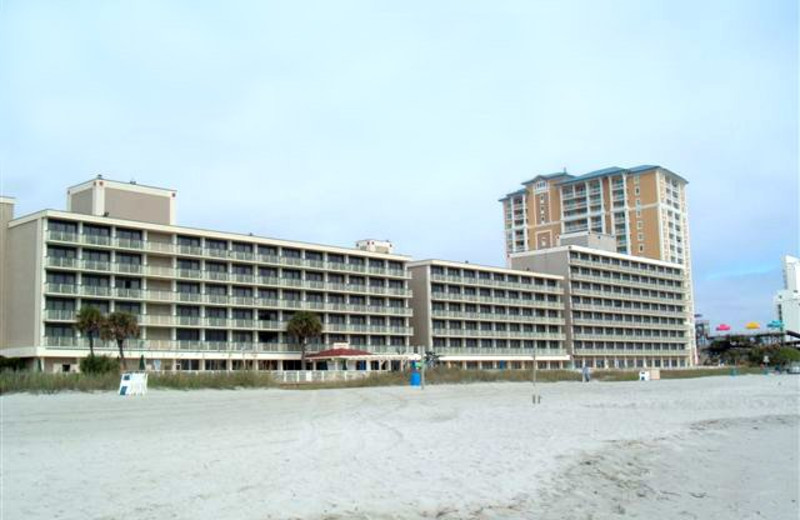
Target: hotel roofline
<point>613,170</point>
<point>128,185</point>
<point>600,252</point>
<point>222,235</point>
<point>479,267</point>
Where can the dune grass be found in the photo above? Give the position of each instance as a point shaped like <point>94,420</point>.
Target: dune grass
<point>43,383</point>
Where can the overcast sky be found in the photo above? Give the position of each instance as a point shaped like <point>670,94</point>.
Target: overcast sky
<point>333,121</point>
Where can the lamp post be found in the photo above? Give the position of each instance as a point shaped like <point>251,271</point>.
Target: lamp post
<point>536,397</point>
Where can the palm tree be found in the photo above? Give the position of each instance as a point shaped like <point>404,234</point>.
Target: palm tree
<point>303,326</point>
<point>120,326</point>
<point>89,322</point>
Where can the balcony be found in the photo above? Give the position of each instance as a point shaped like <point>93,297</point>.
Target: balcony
<point>625,269</point>
<point>158,270</point>
<point>97,240</point>
<point>123,292</point>
<point>243,278</point>
<point>627,310</point>
<point>630,352</point>
<point>188,297</point>
<point>628,324</point>
<point>216,252</point>
<point>61,288</point>
<point>186,249</point>
<point>628,297</point>
<point>59,315</point>
<point>95,265</point>
<point>194,274</point>
<point>541,353</point>
<point>242,255</point>
<point>128,268</point>
<point>216,276</point>
<point>159,247</point>
<point>61,261</point>
<point>129,243</point>
<point>63,236</point>
<point>587,336</point>
<point>95,290</point>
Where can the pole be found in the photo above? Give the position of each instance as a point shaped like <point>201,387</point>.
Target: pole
<point>536,398</point>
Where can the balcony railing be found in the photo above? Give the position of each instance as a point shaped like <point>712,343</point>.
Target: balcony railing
<point>541,353</point>
<point>630,352</point>
<point>59,315</point>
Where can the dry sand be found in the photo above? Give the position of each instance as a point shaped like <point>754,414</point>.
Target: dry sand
<point>723,447</point>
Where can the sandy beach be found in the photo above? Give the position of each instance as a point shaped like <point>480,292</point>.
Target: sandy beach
<point>719,447</point>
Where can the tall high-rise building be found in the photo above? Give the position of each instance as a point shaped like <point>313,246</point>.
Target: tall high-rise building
<point>643,207</point>
<point>787,300</point>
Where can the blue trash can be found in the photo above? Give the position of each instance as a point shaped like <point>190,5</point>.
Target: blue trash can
<point>416,378</point>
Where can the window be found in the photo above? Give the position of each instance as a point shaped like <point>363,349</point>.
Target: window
<point>641,248</point>
<point>97,231</point>
<point>217,245</point>
<point>129,259</point>
<point>188,241</point>
<point>129,234</point>
<point>638,224</point>
<point>62,226</point>
<point>59,304</point>
<point>61,252</point>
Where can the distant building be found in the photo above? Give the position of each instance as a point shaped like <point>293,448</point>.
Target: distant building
<point>787,300</point>
<point>702,331</point>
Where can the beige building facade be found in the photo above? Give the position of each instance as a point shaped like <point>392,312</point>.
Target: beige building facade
<point>644,208</point>
<point>622,311</point>
<point>203,299</point>
<point>475,316</point>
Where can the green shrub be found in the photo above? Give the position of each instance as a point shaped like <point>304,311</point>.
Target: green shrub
<point>44,383</point>
<point>214,380</point>
<point>92,364</point>
<point>11,364</point>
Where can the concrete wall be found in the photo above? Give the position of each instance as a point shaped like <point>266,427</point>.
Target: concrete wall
<point>137,206</point>
<point>81,202</point>
<point>23,285</point>
<point>592,240</point>
<point>420,305</point>
<point>545,262</point>
<point>6,214</point>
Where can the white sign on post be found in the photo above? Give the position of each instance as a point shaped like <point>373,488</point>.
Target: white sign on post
<point>133,383</point>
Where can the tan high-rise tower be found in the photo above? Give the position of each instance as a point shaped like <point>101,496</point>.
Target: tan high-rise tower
<point>644,208</point>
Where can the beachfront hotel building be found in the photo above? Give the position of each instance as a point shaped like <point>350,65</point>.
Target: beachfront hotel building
<point>474,316</point>
<point>203,299</point>
<point>622,311</point>
<point>644,208</point>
